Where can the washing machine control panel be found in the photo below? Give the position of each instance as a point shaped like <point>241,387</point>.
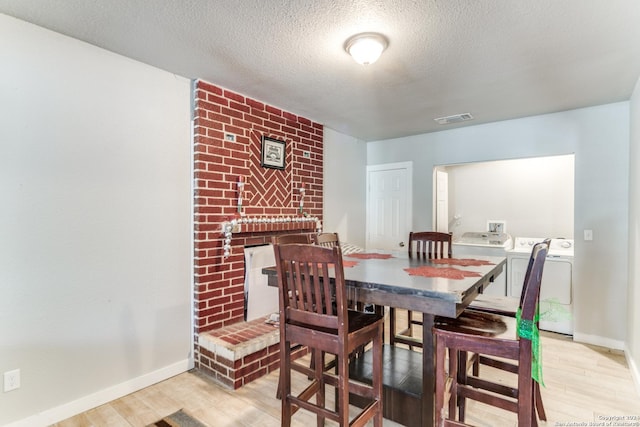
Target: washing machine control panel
<point>525,244</point>
<point>558,247</point>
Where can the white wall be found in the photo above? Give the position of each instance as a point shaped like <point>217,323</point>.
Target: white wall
<point>95,224</point>
<point>633,301</point>
<point>599,137</point>
<point>510,190</point>
<point>345,186</point>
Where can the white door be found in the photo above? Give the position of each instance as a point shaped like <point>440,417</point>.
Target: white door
<point>388,205</point>
<point>442,201</point>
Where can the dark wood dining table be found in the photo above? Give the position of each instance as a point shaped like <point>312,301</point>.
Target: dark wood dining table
<point>385,281</point>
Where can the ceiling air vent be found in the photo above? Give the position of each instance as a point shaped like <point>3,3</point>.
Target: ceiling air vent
<point>456,118</point>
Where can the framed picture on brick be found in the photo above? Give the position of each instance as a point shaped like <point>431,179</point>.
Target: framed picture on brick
<point>273,153</point>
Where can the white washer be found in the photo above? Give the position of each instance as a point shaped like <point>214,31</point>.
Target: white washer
<point>488,244</point>
<point>556,291</point>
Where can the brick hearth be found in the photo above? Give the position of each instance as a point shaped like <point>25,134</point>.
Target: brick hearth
<point>240,353</point>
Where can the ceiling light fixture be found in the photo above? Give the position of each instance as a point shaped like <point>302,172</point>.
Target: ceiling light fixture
<point>366,48</point>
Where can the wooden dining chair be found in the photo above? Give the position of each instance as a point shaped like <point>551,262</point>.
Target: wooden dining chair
<point>430,244</point>
<point>422,245</point>
<point>497,336</point>
<point>308,316</point>
<point>288,239</point>
<point>503,306</point>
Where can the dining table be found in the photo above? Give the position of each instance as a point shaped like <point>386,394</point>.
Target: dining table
<point>433,287</point>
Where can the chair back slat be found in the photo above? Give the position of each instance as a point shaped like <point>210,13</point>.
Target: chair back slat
<point>287,239</point>
<point>305,285</point>
<point>430,244</point>
<point>533,279</point>
<point>328,240</point>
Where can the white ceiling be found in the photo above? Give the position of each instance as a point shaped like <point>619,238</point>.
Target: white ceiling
<point>495,59</point>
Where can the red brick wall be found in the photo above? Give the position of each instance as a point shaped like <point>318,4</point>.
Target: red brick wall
<point>218,164</point>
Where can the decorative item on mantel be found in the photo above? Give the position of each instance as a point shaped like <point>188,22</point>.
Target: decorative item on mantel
<point>228,233</point>
<point>273,220</point>
<point>301,197</point>
<point>234,225</point>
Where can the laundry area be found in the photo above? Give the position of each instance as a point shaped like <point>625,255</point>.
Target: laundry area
<point>534,200</point>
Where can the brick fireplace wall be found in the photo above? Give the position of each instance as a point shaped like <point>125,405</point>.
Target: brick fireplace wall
<point>228,131</point>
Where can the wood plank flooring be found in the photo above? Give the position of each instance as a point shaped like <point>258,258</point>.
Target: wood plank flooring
<point>583,383</point>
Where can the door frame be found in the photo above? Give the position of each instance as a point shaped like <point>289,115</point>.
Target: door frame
<point>435,193</point>
<point>408,166</point>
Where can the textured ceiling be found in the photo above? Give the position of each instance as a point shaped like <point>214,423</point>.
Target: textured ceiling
<point>496,59</point>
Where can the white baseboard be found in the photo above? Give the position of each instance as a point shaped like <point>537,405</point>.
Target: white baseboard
<point>635,373</point>
<point>599,341</point>
<point>54,415</point>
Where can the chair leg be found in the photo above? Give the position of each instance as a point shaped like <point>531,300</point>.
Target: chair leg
<point>453,374</point>
<point>343,393</point>
<point>462,379</point>
<point>476,365</point>
<point>441,380</point>
<point>539,405</point>
<point>318,356</point>
<point>410,326</point>
<point>534,418</point>
<point>392,326</point>
<point>377,376</point>
<point>279,389</point>
<point>284,383</point>
<point>526,412</point>
<point>336,395</point>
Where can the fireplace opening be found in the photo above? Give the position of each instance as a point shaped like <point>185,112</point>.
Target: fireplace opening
<point>260,299</point>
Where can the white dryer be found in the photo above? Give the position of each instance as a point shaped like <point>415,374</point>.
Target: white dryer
<point>556,292</point>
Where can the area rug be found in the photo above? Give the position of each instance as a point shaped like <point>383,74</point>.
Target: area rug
<point>178,419</point>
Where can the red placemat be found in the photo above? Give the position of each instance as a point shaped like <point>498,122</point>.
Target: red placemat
<point>462,262</point>
<point>347,263</point>
<point>362,255</point>
<point>444,272</point>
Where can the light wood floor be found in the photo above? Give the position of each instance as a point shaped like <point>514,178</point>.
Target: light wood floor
<point>583,383</point>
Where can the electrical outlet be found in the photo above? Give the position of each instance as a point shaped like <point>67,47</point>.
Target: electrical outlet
<point>306,154</point>
<point>495,226</point>
<point>588,234</point>
<point>11,380</point>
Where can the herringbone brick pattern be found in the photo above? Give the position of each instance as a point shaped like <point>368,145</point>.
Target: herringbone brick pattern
<point>268,187</point>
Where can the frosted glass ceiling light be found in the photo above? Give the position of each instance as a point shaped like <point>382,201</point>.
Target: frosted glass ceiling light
<point>366,48</point>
